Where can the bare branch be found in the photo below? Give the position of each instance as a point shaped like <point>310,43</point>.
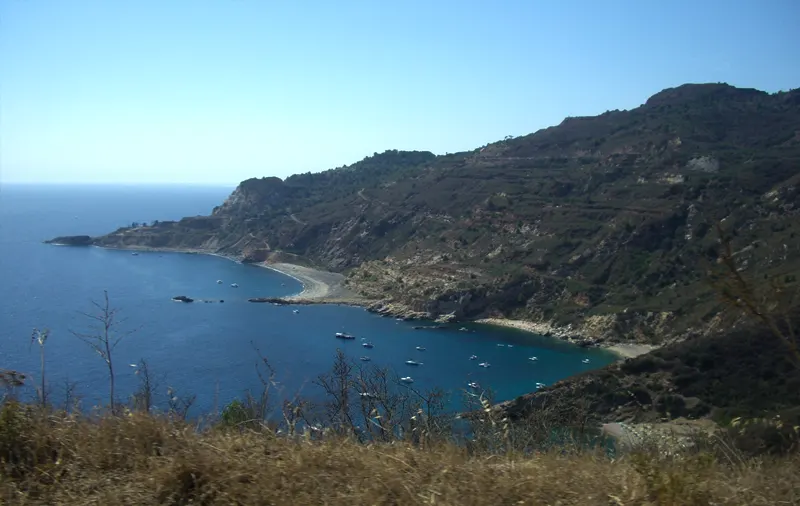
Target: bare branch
<point>105,338</point>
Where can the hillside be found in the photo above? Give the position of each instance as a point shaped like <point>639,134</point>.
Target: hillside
<point>604,223</point>
<point>745,372</point>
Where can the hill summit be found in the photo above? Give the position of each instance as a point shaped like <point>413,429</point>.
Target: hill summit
<point>602,225</point>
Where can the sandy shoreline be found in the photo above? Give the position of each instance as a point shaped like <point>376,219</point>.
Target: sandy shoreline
<point>318,286</point>
<point>623,350</point>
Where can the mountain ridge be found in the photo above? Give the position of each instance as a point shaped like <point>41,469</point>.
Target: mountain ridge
<point>602,225</point>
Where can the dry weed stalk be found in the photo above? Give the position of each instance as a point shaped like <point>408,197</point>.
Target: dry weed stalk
<point>40,337</point>
<point>105,339</point>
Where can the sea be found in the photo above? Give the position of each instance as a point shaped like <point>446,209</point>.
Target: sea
<point>213,351</point>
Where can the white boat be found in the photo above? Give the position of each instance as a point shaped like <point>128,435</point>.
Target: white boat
<point>540,385</point>
<point>135,254</point>
<point>473,385</point>
<point>533,359</point>
<point>463,329</point>
<point>365,359</point>
<point>420,348</point>
<point>473,357</point>
<point>234,285</point>
<point>485,364</point>
<point>501,345</point>
<point>219,281</point>
<point>585,360</point>
<point>342,335</point>
<point>509,345</point>
<point>296,311</point>
<point>407,379</point>
<point>133,365</point>
<point>413,362</point>
<point>367,345</point>
<point>368,395</point>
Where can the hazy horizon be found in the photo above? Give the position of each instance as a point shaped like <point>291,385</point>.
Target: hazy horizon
<point>207,93</point>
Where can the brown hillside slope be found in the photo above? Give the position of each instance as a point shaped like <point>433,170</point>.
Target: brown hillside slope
<point>601,222</point>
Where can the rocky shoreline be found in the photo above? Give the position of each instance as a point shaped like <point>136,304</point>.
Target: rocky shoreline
<point>576,337</point>
<point>624,350</point>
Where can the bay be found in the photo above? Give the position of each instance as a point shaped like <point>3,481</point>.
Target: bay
<point>209,349</point>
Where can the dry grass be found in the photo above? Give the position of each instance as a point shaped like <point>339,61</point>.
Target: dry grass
<point>141,459</point>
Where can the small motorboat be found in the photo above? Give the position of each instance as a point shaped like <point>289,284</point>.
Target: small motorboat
<point>463,329</point>
<point>365,359</point>
<point>367,345</point>
<point>133,365</point>
<point>342,335</point>
<point>420,348</point>
<point>295,311</point>
<point>368,395</point>
<point>509,346</point>
<point>533,359</point>
<point>407,379</point>
<point>473,385</point>
<point>135,254</point>
<point>585,360</point>
<point>473,357</point>
<point>501,345</point>
<point>234,285</point>
<point>540,385</point>
<point>485,364</point>
<point>219,281</point>
<point>413,362</point>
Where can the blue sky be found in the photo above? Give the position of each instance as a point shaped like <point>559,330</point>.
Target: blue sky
<point>219,91</point>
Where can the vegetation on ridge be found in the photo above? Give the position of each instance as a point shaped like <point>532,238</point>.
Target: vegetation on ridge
<point>599,222</point>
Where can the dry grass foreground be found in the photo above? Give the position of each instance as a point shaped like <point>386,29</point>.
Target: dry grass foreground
<point>141,459</point>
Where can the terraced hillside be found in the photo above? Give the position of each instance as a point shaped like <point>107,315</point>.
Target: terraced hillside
<point>604,223</point>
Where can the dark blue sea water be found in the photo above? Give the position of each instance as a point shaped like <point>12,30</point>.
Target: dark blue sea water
<point>207,349</point>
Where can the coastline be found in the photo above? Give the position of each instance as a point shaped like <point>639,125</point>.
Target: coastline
<point>319,287</point>
<point>622,350</point>
<point>324,287</point>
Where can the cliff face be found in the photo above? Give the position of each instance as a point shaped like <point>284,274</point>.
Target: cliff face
<point>604,224</point>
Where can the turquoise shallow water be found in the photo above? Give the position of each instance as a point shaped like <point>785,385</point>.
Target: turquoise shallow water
<point>207,349</point>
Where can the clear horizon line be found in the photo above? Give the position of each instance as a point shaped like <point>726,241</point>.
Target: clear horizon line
<point>118,183</point>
